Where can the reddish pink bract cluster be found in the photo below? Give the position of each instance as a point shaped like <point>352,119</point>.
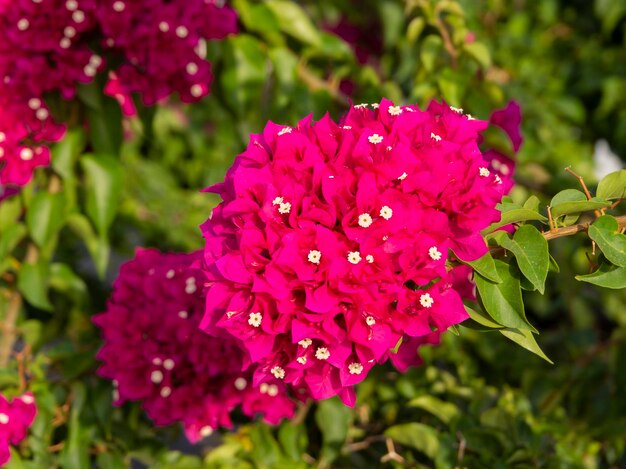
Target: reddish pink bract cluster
<point>15,419</point>
<point>332,239</point>
<point>48,46</point>
<point>155,353</point>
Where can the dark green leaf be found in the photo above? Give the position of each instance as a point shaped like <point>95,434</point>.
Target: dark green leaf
<point>105,126</point>
<point>605,232</point>
<point>481,318</point>
<point>334,435</point>
<point>513,213</point>
<point>10,238</point>
<point>525,338</point>
<point>45,217</point>
<point>485,266</point>
<point>416,435</point>
<point>608,276</point>
<point>503,301</point>
<point>531,252</point>
<point>572,201</point>
<point>294,21</point>
<point>32,282</point>
<point>444,411</point>
<point>104,186</point>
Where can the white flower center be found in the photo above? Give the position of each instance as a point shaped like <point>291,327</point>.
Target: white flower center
<point>164,27</point>
<point>375,139</point>
<point>498,179</point>
<point>484,172</point>
<point>355,368</point>
<point>386,212</point>
<point>370,321</point>
<point>170,273</point>
<point>196,90</point>
<point>182,32</point>
<point>301,360</point>
<point>27,399</point>
<point>71,5</point>
<point>230,314</point>
<point>119,6</point>
<point>206,431</point>
<point>255,319</point>
<point>402,177</point>
<point>434,253</point>
<point>305,343</point>
<point>23,24</point>
<point>435,137</point>
<point>426,300</point>
<point>347,127</point>
<point>365,220</point>
<point>191,68</point>
<point>395,110</point>
<point>285,130</point>
<point>277,201</point>
<point>314,256</point>
<point>26,154</point>
<point>157,361</point>
<point>361,106</point>
<point>183,314</point>
<point>42,114</point>
<point>278,372</point>
<point>78,16</point>
<point>354,257</point>
<point>322,353</point>
<point>458,110</point>
<point>241,383</point>
<point>375,105</point>
<point>272,390</point>
<point>168,364</point>
<point>156,376</point>
<point>165,391</point>
<point>369,258</point>
<point>284,208</point>
<point>34,103</point>
<point>4,418</point>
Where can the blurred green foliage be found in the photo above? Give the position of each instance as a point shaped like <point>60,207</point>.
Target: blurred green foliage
<point>478,401</point>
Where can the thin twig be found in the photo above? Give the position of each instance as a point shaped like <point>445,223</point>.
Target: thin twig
<point>572,230</point>
<point>585,190</point>
<point>8,328</point>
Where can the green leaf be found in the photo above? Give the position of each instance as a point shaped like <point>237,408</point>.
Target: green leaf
<point>105,126</point>
<point>293,439</point>
<point>259,18</point>
<point>479,52</point>
<point>98,247</point>
<point>605,232</point>
<point>513,213</point>
<point>75,452</point>
<point>431,48</point>
<point>104,187</point>
<point>572,201</point>
<point>554,267</point>
<point>10,212</point>
<point>32,282</point>
<point>63,278</point>
<point>612,186</point>
<point>532,203</point>
<point>66,152</point>
<point>503,301</point>
<point>416,435</point>
<point>415,28</point>
<point>525,338</point>
<point>294,21</point>
<point>393,20</point>
<point>486,267</point>
<point>481,318</point>
<point>45,217</point>
<point>333,434</point>
<point>608,276</point>
<point>444,411</point>
<point>10,238</point>
<point>531,252</point>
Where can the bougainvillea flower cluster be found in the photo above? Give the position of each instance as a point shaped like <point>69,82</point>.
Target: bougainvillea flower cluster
<point>155,353</point>
<point>152,47</point>
<point>15,419</point>
<point>333,240</point>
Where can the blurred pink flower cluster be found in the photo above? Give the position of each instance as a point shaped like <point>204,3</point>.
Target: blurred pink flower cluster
<point>15,419</point>
<point>332,241</point>
<point>152,47</point>
<point>155,353</point>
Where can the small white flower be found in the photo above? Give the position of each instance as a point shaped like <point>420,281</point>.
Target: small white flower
<point>402,177</point>
<point>305,343</point>
<point>272,390</point>
<point>165,391</point>
<point>3,136</point>
<point>375,139</point>
<point>504,169</point>
<point>434,253</point>
<point>314,256</point>
<point>115,395</point>
<point>458,110</point>
<point>206,431</point>
<point>182,32</point>
<point>196,90</point>
<point>168,364</point>
<point>354,257</point>
<point>27,399</point>
<point>157,361</point>
<point>164,27</point>
<point>90,71</point>
<point>365,220</point>
<point>278,372</point>
<point>370,321</point>
<point>470,117</point>
<point>361,106</point>
<point>375,105</point>
<point>322,353</point>
<point>191,68</point>
<point>255,319</point>
<point>78,16</point>
<point>263,388</point>
<point>4,418</point>
<point>496,164</point>
<point>34,103</point>
<point>23,24</point>
<point>347,127</point>
<point>369,258</point>
<point>498,180</point>
<point>301,360</point>
<point>230,314</point>
<point>386,212</point>
<point>170,273</point>
<point>409,109</point>
<point>183,314</point>
<point>71,5</point>
<point>484,172</point>
<point>119,6</point>
<point>277,201</point>
<point>156,376</point>
<point>426,300</point>
<point>190,288</point>
<point>42,114</point>
<point>285,130</point>
<point>284,208</point>
<point>241,383</point>
<point>26,154</point>
<point>435,137</point>
<point>395,110</point>
<point>355,368</point>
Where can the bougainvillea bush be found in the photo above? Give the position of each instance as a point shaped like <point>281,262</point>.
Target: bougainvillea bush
<point>311,234</point>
